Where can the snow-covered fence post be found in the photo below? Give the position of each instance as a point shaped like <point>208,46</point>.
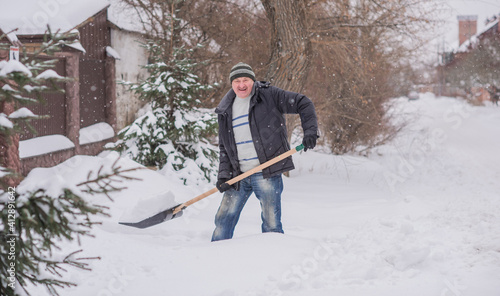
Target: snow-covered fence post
<point>72,90</point>
<point>110,82</point>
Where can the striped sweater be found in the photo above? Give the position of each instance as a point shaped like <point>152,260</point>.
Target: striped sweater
<point>247,154</point>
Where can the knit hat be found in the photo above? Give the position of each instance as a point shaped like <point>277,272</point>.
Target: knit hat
<point>241,70</point>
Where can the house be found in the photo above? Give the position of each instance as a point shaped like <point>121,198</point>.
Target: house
<point>471,69</point>
<point>127,34</point>
<point>93,107</point>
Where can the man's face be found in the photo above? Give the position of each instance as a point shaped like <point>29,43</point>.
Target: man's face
<point>242,86</point>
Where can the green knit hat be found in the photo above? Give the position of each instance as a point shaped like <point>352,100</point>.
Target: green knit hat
<point>241,70</point>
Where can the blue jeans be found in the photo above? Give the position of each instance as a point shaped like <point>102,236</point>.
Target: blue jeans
<point>268,191</point>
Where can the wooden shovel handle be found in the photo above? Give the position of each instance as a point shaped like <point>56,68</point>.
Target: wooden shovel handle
<point>240,177</point>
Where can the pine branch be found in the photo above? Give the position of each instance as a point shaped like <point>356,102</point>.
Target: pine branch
<point>105,181</point>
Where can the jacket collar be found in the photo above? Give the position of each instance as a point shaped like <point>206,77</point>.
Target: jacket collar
<point>261,84</point>
<point>226,102</point>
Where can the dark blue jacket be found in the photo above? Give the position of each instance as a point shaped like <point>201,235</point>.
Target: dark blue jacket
<point>267,126</point>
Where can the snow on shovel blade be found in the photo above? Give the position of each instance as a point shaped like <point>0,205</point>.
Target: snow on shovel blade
<point>156,219</point>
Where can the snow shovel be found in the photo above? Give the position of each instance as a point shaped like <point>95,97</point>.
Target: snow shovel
<point>176,211</point>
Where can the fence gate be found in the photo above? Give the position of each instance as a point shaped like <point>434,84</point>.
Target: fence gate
<point>92,92</point>
<point>53,105</point>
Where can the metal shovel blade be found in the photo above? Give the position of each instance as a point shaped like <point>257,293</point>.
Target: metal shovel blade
<point>169,214</point>
<point>156,219</point>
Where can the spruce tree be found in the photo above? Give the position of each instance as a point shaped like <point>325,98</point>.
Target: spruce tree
<point>173,135</point>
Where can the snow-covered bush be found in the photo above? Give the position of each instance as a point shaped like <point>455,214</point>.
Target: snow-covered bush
<point>173,135</point>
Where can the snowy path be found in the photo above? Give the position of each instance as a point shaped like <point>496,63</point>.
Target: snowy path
<point>420,216</point>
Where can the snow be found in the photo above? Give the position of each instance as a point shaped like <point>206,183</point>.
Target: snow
<point>14,66</point>
<point>112,53</point>
<point>96,132</point>
<point>12,37</point>
<point>43,145</point>
<point>77,45</point>
<point>489,26</point>
<point>33,16</point>
<point>3,173</point>
<point>7,87</point>
<point>22,112</point>
<point>418,216</point>
<point>5,122</point>
<point>49,74</point>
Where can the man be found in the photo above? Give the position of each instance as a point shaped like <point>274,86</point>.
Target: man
<point>252,131</point>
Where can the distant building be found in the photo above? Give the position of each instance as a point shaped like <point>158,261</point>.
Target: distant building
<point>127,34</point>
<point>471,69</point>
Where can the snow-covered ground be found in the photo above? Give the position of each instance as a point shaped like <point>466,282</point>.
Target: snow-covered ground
<point>418,216</point>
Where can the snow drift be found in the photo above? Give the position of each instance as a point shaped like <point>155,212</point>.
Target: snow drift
<point>419,216</point>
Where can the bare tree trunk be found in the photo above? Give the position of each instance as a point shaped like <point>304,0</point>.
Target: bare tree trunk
<point>290,48</point>
<point>290,44</point>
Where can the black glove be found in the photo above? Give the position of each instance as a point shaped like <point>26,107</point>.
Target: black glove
<point>309,142</point>
<point>222,185</point>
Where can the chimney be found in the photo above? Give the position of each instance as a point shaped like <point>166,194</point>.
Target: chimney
<point>467,27</point>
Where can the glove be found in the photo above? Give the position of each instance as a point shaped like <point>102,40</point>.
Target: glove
<point>222,185</point>
<point>309,142</point>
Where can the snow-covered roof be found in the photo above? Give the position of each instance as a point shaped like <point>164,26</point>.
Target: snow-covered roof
<point>31,17</point>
